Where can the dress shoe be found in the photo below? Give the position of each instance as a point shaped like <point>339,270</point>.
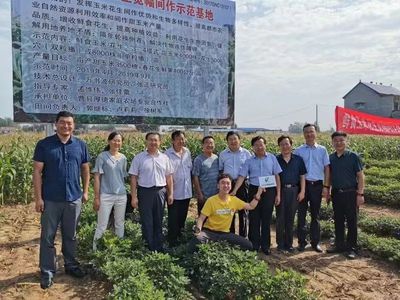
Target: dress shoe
<point>266,251</point>
<point>334,250</point>
<point>317,248</point>
<point>301,247</point>
<point>290,249</point>
<point>75,272</point>
<point>281,249</point>
<point>46,282</point>
<point>351,254</point>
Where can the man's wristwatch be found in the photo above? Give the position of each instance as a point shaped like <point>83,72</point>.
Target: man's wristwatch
<point>360,194</point>
<point>196,229</point>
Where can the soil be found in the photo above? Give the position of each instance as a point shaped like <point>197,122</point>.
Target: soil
<point>330,276</point>
<point>374,210</point>
<point>19,260</point>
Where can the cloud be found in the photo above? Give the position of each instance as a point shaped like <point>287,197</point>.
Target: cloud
<point>292,55</point>
<point>313,51</point>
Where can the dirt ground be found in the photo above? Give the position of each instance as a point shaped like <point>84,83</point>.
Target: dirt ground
<point>19,259</point>
<point>330,276</point>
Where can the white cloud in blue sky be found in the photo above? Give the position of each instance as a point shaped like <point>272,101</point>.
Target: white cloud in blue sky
<point>290,56</point>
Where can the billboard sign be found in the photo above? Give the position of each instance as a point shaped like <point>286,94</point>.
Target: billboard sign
<point>124,61</point>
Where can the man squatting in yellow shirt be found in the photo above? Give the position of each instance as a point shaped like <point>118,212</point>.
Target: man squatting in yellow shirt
<point>219,211</point>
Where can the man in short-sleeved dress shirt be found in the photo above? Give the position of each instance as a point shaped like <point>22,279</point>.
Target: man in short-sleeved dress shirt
<point>230,162</point>
<point>259,166</point>
<point>205,173</point>
<point>316,160</point>
<point>151,183</point>
<point>292,192</point>
<point>181,161</point>
<point>347,179</point>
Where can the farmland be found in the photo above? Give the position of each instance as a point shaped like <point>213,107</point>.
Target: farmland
<point>211,272</point>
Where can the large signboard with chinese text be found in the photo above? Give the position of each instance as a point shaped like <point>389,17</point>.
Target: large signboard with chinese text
<point>124,61</point>
<point>355,122</point>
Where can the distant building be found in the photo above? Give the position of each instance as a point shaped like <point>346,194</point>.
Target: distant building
<point>374,98</point>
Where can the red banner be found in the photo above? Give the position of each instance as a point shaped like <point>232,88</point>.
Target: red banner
<point>355,122</point>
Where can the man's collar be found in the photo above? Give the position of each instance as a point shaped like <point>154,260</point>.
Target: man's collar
<point>313,146</point>
<point>172,150</point>
<point>157,153</point>
<point>70,140</point>
<point>238,150</point>
<point>345,153</point>
<point>265,155</point>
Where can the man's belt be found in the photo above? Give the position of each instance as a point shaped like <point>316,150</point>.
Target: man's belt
<point>289,185</point>
<point>347,190</point>
<point>316,182</point>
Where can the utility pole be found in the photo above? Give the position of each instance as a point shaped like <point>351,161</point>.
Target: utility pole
<point>49,129</point>
<point>206,131</point>
<point>316,116</point>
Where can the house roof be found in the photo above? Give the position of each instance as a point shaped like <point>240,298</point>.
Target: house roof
<point>378,88</point>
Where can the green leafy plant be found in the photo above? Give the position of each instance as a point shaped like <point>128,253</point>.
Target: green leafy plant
<point>167,275</point>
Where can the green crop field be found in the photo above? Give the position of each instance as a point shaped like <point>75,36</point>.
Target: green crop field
<point>212,272</point>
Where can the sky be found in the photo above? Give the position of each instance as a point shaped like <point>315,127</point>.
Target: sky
<point>291,55</point>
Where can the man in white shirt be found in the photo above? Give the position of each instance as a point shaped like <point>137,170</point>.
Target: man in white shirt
<point>316,160</point>
<point>181,161</point>
<point>151,184</point>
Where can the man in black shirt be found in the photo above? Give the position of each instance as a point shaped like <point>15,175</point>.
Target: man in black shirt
<point>347,180</point>
<point>293,185</point>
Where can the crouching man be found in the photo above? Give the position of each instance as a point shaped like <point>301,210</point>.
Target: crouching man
<point>217,213</point>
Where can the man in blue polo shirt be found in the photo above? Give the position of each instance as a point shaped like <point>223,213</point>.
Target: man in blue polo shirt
<point>59,162</point>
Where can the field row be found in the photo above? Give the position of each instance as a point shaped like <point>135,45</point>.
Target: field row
<point>381,157</point>
<point>380,235</point>
<point>216,271</point>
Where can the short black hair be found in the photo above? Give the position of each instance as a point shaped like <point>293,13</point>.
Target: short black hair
<point>282,137</point>
<point>257,138</point>
<point>338,133</point>
<point>153,133</point>
<point>177,133</point>
<point>223,176</point>
<point>309,125</point>
<point>232,133</point>
<point>64,114</point>
<point>206,138</point>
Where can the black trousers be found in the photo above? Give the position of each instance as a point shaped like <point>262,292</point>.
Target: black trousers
<point>151,210</point>
<point>345,210</point>
<point>177,213</point>
<point>260,218</point>
<point>285,213</point>
<point>242,194</point>
<point>207,235</point>
<point>313,199</point>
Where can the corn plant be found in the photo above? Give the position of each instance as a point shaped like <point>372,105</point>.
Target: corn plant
<point>7,174</point>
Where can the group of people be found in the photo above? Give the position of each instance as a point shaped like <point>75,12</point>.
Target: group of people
<point>236,180</point>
